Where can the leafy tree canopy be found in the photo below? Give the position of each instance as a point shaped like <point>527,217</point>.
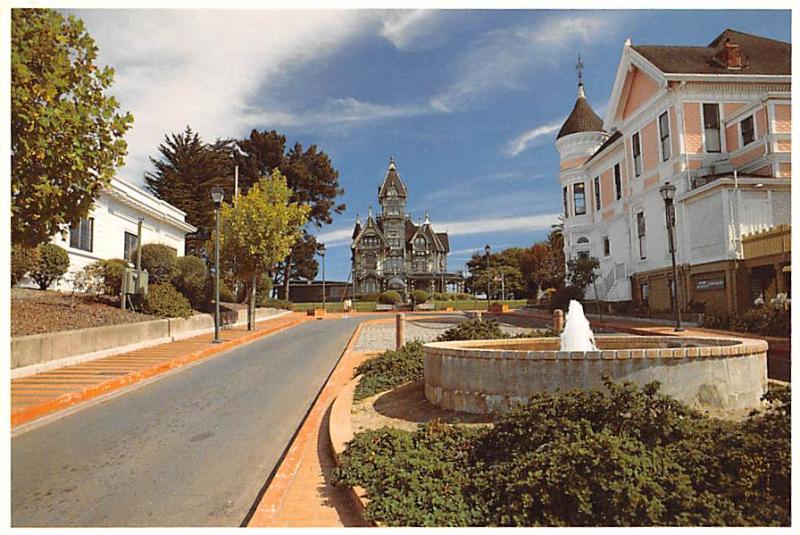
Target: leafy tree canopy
<point>66,132</point>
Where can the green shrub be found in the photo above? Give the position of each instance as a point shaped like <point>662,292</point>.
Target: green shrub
<point>161,263</point>
<point>412,479</point>
<point>23,261</point>
<point>476,329</point>
<point>765,320</point>
<point>390,369</point>
<point>390,298</point>
<point>711,321</point>
<point>620,456</point>
<point>419,296</point>
<point>263,289</point>
<point>372,298</point>
<point>190,279</point>
<point>53,263</point>
<point>164,301</point>
<point>226,295</point>
<point>110,273</point>
<point>561,297</point>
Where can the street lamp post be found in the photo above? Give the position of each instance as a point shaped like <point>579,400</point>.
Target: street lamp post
<point>667,192</point>
<point>488,250</point>
<point>216,196</point>
<point>321,251</point>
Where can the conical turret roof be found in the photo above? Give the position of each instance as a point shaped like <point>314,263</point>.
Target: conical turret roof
<point>392,180</point>
<point>582,119</point>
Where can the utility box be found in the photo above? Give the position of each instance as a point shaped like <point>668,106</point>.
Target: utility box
<point>135,281</point>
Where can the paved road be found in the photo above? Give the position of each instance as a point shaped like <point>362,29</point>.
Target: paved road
<point>191,449</point>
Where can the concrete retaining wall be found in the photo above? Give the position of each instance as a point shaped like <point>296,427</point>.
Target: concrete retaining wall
<point>488,377</point>
<point>38,352</point>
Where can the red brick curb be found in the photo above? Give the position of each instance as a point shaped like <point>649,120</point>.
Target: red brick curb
<point>34,412</point>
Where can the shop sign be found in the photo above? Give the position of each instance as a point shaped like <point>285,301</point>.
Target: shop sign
<point>717,283</point>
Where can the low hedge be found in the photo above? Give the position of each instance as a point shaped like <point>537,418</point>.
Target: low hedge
<point>390,298</point>
<point>390,369</point>
<point>164,301</point>
<point>619,456</point>
<point>52,262</point>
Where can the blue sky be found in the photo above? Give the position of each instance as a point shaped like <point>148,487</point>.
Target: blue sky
<point>468,102</point>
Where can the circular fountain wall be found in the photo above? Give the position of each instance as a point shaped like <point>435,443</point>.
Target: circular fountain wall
<point>489,376</point>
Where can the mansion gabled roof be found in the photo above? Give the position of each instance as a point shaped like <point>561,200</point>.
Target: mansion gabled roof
<point>392,180</point>
<point>760,55</point>
<point>582,118</point>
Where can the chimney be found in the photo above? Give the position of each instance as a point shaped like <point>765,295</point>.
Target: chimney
<point>730,56</point>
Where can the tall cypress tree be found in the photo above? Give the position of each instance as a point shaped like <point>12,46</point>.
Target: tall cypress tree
<point>186,170</point>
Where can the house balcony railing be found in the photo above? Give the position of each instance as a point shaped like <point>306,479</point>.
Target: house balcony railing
<point>773,241</point>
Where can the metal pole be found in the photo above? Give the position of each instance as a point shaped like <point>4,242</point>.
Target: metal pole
<point>677,299</point>
<point>139,245</point>
<point>488,283</point>
<point>323,281</point>
<point>216,282</point>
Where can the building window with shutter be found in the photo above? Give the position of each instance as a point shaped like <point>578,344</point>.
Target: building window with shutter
<point>748,131</point>
<point>597,193</point>
<point>640,231</point>
<point>81,235</point>
<point>579,198</point>
<point>663,129</point>
<point>617,181</point>
<point>131,244</point>
<point>637,154</point>
<point>711,127</point>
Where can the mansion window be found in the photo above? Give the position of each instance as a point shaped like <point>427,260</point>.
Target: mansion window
<point>711,127</point>
<point>597,192</point>
<point>663,129</point>
<point>640,231</point>
<point>617,181</point>
<point>637,154</point>
<point>420,243</point>
<point>81,235</point>
<point>644,290</point>
<point>370,261</point>
<point>606,246</point>
<point>420,266</point>
<point>579,198</point>
<point>131,244</point>
<point>583,254</point>
<point>566,202</point>
<point>748,131</point>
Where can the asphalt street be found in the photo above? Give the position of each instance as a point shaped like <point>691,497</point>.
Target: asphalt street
<point>191,449</point>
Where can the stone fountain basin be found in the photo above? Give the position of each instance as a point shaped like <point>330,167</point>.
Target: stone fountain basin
<point>489,376</point>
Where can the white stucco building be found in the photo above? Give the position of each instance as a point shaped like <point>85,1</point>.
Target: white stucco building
<point>110,229</point>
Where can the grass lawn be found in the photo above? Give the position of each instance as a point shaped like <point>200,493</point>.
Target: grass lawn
<point>369,306</point>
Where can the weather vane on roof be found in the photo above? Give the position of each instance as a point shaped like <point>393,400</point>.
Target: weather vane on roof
<point>579,68</point>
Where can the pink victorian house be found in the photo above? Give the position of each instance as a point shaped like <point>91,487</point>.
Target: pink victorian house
<point>715,122</point>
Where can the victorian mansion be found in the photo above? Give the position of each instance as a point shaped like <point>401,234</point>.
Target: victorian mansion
<point>390,252</point>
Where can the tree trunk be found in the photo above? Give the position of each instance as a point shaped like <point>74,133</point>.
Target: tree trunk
<point>287,273</point>
<point>251,304</point>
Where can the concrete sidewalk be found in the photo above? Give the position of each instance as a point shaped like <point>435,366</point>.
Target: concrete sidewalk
<point>36,396</point>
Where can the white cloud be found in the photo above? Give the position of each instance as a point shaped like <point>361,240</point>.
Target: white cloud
<point>337,237</point>
<point>521,142</point>
<point>501,57</point>
<point>414,30</point>
<point>498,224</point>
<point>205,67</point>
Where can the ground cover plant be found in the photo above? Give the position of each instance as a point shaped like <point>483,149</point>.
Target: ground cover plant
<point>394,368</point>
<point>620,456</point>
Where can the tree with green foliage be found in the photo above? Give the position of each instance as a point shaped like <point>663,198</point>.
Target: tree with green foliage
<point>66,132</point>
<point>259,230</point>
<point>186,170</point>
<point>313,180</point>
<point>582,271</point>
<point>23,260</point>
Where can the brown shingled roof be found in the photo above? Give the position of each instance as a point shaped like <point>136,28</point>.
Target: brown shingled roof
<point>582,119</point>
<point>761,56</point>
